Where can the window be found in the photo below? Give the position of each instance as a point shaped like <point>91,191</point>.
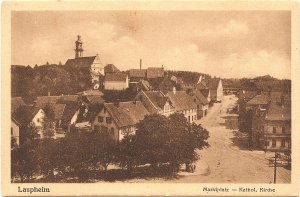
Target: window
<point>195,100</point>
<point>189,118</point>
<point>273,143</point>
<point>283,143</point>
<point>274,129</point>
<point>38,120</point>
<point>198,106</point>
<point>108,120</point>
<point>100,119</point>
<point>283,129</point>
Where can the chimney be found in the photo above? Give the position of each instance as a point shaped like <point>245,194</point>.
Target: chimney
<point>174,90</point>
<point>49,93</point>
<point>140,64</point>
<point>162,66</point>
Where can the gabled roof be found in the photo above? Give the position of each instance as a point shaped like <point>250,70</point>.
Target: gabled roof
<point>116,77</point>
<point>145,85</point>
<point>70,109</point>
<point>259,100</point>
<point>201,97</point>
<point>126,113</point>
<point>81,62</point>
<point>25,114</point>
<point>278,112</point>
<point>42,101</point>
<point>181,100</point>
<point>212,83</point>
<point>93,99</point>
<point>157,98</point>
<point>201,86</point>
<point>16,102</point>
<point>205,92</point>
<point>110,68</point>
<point>137,73</point>
<point>155,72</point>
<point>91,93</point>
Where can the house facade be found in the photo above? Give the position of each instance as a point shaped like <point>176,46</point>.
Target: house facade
<point>116,81</point>
<point>119,119</point>
<point>215,87</point>
<point>183,103</point>
<point>201,102</point>
<point>271,122</point>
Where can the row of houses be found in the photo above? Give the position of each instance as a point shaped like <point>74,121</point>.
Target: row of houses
<point>270,119</point>
<point>88,109</point>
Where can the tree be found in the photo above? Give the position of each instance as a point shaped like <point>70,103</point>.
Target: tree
<point>152,135</point>
<point>49,121</point>
<point>126,152</point>
<point>24,157</point>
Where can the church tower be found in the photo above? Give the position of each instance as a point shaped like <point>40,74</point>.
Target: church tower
<point>78,49</point>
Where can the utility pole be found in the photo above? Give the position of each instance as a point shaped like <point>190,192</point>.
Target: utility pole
<point>275,165</point>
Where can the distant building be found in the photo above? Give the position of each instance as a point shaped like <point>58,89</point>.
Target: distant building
<point>201,102</point>
<point>116,81</point>
<point>183,103</point>
<point>110,68</point>
<point>271,121</point>
<point>91,63</point>
<point>215,87</point>
<point>155,72</point>
<point>119,119</point>
<point>22,118</point>
<point>136,75</point>
<point>156,102</point>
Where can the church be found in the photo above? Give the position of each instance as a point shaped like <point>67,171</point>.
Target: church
<point>93,63</point>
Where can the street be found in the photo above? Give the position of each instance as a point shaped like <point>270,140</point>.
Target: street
<point>228,162</point>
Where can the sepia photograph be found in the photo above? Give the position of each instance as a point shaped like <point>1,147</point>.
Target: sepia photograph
<point>117,96</point>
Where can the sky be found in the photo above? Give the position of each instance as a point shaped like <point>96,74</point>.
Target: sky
<point>229,44</point>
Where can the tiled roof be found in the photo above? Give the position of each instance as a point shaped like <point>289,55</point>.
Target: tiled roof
<point>110,68</point>
<point>157,98</point>
<point>201,97</point>
<point>70,109</point>
<point>205,92</point>
<point>16,102</point>
<point>145,84</point>
<point>201,86</point>
<point>41,101</point>
<point>259,100</point>
<point>93,99</point>
<point>126,113</point>
<point>137,73</point>
<point>212,83</point>
<point>278,112</point>
<point>116,77</point>
<point>155,72</point>
<point>81,62</point>
<point>25,114</point>
<point>181,100</point>
<point>91,93</point>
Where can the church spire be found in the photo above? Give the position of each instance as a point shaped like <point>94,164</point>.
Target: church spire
<point>78,49</point>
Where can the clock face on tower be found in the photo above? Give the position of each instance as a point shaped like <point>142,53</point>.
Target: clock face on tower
<point>96,86</point>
